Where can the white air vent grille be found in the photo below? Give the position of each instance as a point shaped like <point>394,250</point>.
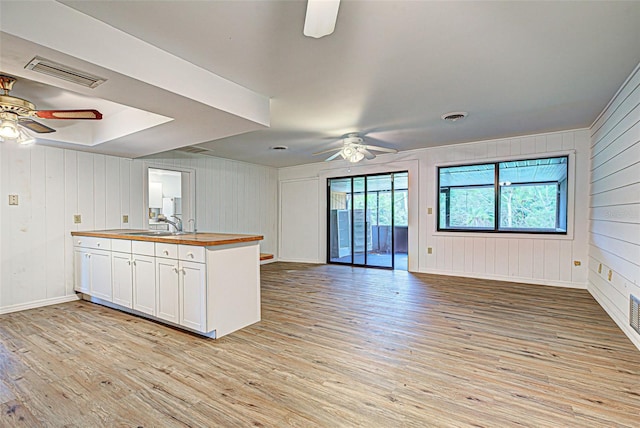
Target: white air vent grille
<point>634,313</point>
<point>196,150</point>
<point>61,71</point>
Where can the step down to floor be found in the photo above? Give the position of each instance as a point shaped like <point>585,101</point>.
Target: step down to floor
<point>265,256</point>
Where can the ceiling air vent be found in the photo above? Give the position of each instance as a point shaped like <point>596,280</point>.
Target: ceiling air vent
<point>454,116</point>
<point>64,72</point>
<point>196,150</point>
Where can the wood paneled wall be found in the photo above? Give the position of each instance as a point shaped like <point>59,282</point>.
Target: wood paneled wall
<point>614,236</point>
<point>36,254</point>
<point>536,259</point>
<point>232,196</point>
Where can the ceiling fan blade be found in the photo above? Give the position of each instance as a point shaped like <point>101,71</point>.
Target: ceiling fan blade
<point>321,17</point>
<point>34,126</point>
<point>69,114</point>
<point>326,151</point>
<point>332,157</point>
<point>367,154</point>
<point>380,149</point>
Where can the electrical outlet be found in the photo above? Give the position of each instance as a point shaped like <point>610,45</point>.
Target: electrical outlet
<point>77,218</point>
<point>429,210</point>
<point>125,218</point>
<point>610,275</point>
<point>13,199</point>
<point>600,268</point>
<point>577,262</point>
<point>429,250</point>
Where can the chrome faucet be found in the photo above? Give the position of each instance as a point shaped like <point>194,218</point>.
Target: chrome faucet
<point>177,224</point>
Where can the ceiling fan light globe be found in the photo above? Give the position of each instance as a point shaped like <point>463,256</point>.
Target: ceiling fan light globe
<point>356,157</point>
<point>348,152</point>
<point>9,130</point>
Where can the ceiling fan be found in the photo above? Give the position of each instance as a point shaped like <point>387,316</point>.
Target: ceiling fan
<point>16,114</point>
<point>321,17</point>
<point>354,150</point>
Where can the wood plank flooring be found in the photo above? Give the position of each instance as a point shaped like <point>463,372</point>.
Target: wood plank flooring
<point>337,347</point>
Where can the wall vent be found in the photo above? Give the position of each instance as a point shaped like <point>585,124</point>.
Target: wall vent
<point>634,313</point>
<point>196,150</point>
<point>64,72</point>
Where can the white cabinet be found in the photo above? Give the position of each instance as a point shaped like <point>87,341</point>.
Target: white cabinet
<point>122,279</point>
<point>93,272</point>
<point>167,282</point>
<point>193,295</point>
<point>144,284</point>
<point>211,290</point>
<point>181,287</point>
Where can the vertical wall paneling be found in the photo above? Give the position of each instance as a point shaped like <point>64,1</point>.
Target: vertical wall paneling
<point>124,175</point>
<point>70,209</point>
<point>614,234</point>
<point>299,223</point>
<point>99,192</point>
<point>137,216</point>
<point>86,203</point>
<point>54,222</point>
<point>113,201</point>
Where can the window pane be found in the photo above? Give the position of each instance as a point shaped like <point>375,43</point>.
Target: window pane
<point>467,197</point>
<point>533,194</point>
<point>472,207</point>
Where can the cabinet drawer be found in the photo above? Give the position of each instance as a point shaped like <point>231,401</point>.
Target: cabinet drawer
<point>121,245</point>
<point>191,253</point>
<point>89,242</point>
<point>169,251</point>
<point>143,248</point>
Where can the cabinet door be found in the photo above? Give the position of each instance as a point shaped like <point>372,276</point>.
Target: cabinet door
<point>193,280</point>
<point>167,286</point>
<point>101,286</point>
<point>144,284</point>
<point>122,276</point>
<point>82,270</point>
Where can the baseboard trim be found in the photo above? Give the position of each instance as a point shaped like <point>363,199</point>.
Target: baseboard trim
<point>38,304</point>
<point>614,315</point>
<point>533,281</point>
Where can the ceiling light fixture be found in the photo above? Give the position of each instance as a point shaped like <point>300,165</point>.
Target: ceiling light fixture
<point>9,126</point>
<point>25,138</point>
<point>321,17</point>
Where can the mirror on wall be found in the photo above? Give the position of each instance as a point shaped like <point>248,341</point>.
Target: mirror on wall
<point>165,197</point>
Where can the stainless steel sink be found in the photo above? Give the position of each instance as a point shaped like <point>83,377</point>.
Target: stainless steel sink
<point>153,233</point>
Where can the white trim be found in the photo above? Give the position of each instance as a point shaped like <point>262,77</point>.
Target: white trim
<point>516,279</point>
<point>628,79</point>
<point>145,190</point>
<point>613,311</point>
<point>38,304</point>
<point>571,194</point>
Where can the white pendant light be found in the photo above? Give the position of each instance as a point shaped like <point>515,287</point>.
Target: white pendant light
<point>321,17</point>
<point>9,126</point>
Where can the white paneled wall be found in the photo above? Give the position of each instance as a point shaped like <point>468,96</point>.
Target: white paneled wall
<point>537,259</point>
<point>53,185</point>
<point>232,196</point>
<point>614,238</point>
<point>36,254</point>
<point>299,221</point>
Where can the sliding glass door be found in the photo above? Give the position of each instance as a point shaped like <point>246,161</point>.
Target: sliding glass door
<point>362,224</point>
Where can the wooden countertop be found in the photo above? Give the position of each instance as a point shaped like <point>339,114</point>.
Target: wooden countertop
<point>202,239</point>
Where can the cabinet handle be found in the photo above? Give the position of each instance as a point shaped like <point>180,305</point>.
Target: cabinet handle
<point>184,272</point>
<point>129,262</point>
<point>98,244</point>
<point>190,254</point>
<point>175,269</point>
<point>79,242</point>
<point>133,262</point>
<point>165,252</point>
<point>89,255</point>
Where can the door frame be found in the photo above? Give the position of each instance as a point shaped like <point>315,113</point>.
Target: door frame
<point>352,219</point>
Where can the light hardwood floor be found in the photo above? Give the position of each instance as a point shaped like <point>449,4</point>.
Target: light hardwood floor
<point>337,346</point>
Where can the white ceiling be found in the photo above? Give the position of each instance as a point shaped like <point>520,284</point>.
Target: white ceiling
<point>390,69</point>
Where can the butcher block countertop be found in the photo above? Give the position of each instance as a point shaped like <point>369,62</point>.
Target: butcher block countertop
<point>202,239</point>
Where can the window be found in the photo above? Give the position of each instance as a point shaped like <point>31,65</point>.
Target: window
<point>515,196</point>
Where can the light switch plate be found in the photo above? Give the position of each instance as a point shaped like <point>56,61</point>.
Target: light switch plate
<point>77,218</point>
<point>429,210</point>
<point>429,250</point>
<point>13,199</point>
<point>125,218</point>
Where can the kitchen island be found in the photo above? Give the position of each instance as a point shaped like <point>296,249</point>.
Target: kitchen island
<point>207,283</point>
